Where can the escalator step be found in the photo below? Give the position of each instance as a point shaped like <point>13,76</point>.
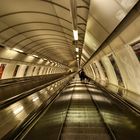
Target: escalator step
<point>89,130</point>
<point>78,136</point>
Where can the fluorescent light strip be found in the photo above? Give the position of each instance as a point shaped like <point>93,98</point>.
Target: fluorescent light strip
<point>75,34</point>
<point>35,56</point>
<point>77,49</point>
<point>34,99</point>
<point>18,50</point>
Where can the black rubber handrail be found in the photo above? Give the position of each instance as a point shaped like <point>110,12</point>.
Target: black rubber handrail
<point>21,129</point>
<point>11,81</point>
<point>12,90</point>
<point>22,95</point>
<point>66,114</point>
<point>17,132</point>
<point>119,98</point>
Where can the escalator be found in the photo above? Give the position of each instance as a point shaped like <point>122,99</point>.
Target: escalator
<point>72,116</point>
<point>83,120</point>
<point>82,111</point>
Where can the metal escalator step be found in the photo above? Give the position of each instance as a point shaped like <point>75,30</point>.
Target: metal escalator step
<point>81,124</point>
<point>71,136</point>
<point>79,117</point>
<point>83,120</point>
<point>82,112</point>
<point>80,107</point>
<point>89,130</point>
<point>86,115</point>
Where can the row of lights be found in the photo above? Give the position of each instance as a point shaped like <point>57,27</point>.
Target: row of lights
<point>36,56</point>
<point>75,34</point>
<point>21,51</point>
<point>77,51</point>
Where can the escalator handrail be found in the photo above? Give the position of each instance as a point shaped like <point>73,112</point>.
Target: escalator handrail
<point>21,128</point>
<point>119,98</point>
<point>11,81</point>
<point>67,109</point>
<point>24,94</point>
<point>37,115</point>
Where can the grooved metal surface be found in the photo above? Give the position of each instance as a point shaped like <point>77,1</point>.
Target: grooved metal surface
<point>74,112</point>
<point>84,112</point>
<point>83,121</point>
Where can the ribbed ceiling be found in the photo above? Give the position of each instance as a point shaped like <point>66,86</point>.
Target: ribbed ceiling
<point>42,27</point>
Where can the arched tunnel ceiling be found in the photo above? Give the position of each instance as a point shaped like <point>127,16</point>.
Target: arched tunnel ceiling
<point>43,27</point>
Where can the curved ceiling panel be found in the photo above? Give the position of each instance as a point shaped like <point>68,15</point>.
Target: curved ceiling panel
<point>43,27</point>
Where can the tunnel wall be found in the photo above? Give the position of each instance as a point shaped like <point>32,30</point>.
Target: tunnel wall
<point>120,59</point>
<point>28,65</point>
<point>12,69</point>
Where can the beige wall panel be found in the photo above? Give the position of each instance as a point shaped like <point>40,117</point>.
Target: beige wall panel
<point>96,29</point>
<point>41,70</point>
<point>48,70</point>
<point>8,71</point>
<point>91,42</point>
<point>21,70</point>
<point>35,71</point>
<point>107,50</point>
<point>29,72</point>
<point>106,10</point>
<point>44,71</point>
<point>102,75</point>
<point>109,70</point>
<point>84,52</point>
<point>97,76</point>
<point>116,43</point>
<point>132,31</point>
<point>93,72</point>
<point>130,68</point>
<point>51,71</point>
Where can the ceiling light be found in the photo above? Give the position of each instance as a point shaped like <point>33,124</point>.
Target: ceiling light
<point>77,49</point>
<point>34,99</point>
<point>77,55</point>
<point>18,50</point>
<point>75,34</point>
<point>35,56</point>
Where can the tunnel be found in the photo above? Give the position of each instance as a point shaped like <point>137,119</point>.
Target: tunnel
<point>69,69</point>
